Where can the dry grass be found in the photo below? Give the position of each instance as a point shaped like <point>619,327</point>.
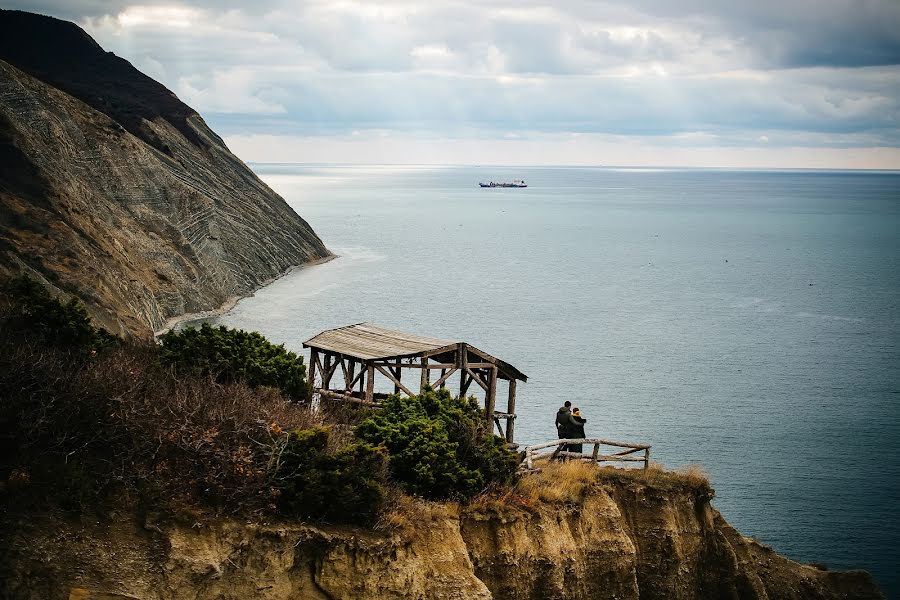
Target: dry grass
<point>405,516</point>
<point>692,476</point>
<point>559,482</point>
<point>571,481</point>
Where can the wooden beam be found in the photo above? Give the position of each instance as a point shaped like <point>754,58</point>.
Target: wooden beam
<point>477,379</point>
<point>370,383</point>
<point>326,372</point>
<point>444,377</point>
<point>465,382</point>
<point>461,363</point>
<point>397,385</point>
<point>313,359</point>
<point>346,397</point>
<point>425,373</point>
<point>349,379</point>
<point>441,350</point>
<point>588,441</point>
<point>490,397</point>
<point>329,374</point>
<point>359,377</point>
<point>511,409</point>
<point>433,366</point>
<point>319,364</point>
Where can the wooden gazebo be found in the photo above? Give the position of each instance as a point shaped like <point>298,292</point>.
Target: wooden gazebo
<point>362,350</point>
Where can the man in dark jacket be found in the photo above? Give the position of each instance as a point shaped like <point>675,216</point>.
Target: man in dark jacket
<point>565,424</point>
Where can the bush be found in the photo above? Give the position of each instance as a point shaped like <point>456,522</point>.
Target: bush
<point>344,487</point>
<point>439,446</point>
<point>66,325</point>
<point>233,355</point>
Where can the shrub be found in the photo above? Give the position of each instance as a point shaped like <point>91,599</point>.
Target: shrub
<point>344,486</point>
<point>439,446</point>
<point>66,325</point>
<point>233,355</point>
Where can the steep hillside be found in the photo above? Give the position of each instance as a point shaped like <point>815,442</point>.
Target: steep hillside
<point>114,190</point>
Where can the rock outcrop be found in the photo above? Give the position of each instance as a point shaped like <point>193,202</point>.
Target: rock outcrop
<point>113,190</point>
<point>624,540</point>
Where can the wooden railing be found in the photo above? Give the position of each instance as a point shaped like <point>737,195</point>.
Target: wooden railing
<point>535,452</point>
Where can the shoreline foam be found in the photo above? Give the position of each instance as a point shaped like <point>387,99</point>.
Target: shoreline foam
<point>230,303</point>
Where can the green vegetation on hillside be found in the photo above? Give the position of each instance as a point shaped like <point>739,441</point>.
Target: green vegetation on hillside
<point>232,355</point>
<point>440,446</point>
<point>210,420</point>
<point>33,312</point>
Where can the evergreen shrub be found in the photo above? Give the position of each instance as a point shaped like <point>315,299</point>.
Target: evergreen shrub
<point>439,446</point>
<point>345,486</point>
<point>233,355</point>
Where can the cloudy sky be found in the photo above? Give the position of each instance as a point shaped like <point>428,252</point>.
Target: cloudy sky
<point>761,83</point>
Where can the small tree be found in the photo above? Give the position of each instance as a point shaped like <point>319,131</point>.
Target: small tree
<point>439,446</point>
<point>233,355</point>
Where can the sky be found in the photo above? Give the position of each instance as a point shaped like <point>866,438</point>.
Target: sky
<point>717,83</point>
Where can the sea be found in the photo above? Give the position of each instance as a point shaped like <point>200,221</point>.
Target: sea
<point>744,321</point>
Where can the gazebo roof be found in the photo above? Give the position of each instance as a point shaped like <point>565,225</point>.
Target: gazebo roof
<point>368,342</point>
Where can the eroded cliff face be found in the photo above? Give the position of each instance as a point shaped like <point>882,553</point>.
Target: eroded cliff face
<point>622,541</point>
<point>113,190</point>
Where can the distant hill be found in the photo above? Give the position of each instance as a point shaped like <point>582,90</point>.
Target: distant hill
<point>115,191</point>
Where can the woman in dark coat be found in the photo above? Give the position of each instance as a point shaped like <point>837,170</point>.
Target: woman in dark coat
<point>577,430</point>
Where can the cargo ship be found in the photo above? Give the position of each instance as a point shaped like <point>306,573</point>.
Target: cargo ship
<point>518,183</point>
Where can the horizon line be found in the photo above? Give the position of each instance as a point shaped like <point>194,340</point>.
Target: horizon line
<point>552,166</point>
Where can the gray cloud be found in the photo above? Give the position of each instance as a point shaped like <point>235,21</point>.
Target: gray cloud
<point>826,71</point>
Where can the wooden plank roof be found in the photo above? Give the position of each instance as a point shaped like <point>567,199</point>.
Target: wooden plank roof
<point>365,341</point>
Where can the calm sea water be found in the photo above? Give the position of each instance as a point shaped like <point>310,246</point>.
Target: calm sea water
<point>745,321</point>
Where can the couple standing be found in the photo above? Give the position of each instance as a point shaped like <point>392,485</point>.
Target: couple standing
<point>570,425</point>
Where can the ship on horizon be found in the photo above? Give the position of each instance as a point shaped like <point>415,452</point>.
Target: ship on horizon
<point>518,183</point>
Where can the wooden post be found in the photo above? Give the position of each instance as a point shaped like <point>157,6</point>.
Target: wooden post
<point>425,373</point>
<point>596,452</point>
<point>362,378</point>
<point>462,359</point>
<point>397,371</point>
<point>490,395</point>
<point>370,383</point>
<point>326,374</point>
<point>646,458</point>
<point>348,383</point>
<point>442,380</point>
<point>313,357</point>
<point>511,410</point>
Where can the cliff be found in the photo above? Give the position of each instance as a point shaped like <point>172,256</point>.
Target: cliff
<point>113,190</point>
<point>621,538</point>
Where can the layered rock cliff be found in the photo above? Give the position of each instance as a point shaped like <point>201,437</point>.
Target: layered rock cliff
<point>620,540</point>
<point>115,191</point>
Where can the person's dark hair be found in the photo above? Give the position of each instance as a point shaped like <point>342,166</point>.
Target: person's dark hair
<point>567,404</point>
